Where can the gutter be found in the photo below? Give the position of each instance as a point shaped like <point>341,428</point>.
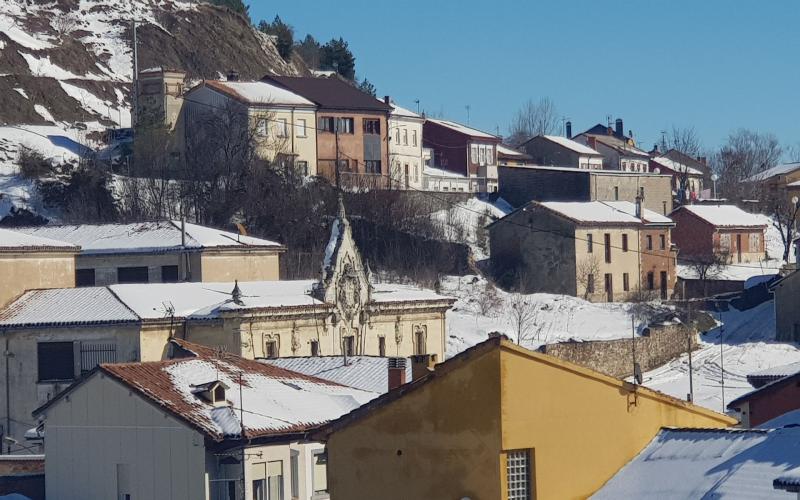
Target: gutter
<point>6,355</point>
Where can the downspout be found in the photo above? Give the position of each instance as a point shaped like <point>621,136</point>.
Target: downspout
<point>6,355</point>
<point>291,132</point>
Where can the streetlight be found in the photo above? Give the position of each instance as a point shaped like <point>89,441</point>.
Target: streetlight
<point>714,178</point>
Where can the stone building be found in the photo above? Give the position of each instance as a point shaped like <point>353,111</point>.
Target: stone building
<point>53,336</point>
<point>726,230</point>
<point>521,184</point>
<point>557,151</point>
<point>405,147</point>
<point>601,251</point>
<point>160,97</point>
<point>160,252</point>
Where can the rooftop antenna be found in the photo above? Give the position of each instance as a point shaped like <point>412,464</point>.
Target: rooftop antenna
<point>467,108</point>
<point>416,101</point>
<point>637,370</point>
<point>664,141</point>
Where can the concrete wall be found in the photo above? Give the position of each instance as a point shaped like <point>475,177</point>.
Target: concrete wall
<point>26,271</point>
<point>23,387</point>
<point>787,312</point>
<point>239,265</point>
<point>615,357</point>
<point>105,266</point>
<point>622,262</point>
<point>607,186</point>
<point>442,441</point>
<point>572,419</point>
<point>103,428</point>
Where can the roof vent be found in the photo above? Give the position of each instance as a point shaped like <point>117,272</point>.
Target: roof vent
<point>212,392</point>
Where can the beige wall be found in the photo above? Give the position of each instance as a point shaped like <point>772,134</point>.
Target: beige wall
<point>403,151</point>
<point>657,189</point>
<point>301,141</point>
<point>103,424</point>
<point>621,262</point>
<point>239,265</point>
<point>26,271</point>
<point>26,393</point>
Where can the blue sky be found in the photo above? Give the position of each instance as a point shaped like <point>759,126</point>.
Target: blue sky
<point>710,64</point>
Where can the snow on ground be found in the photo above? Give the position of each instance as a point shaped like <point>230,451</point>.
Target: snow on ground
<point>461,221</point>
<point>554,318</point>
<point>746,347</point>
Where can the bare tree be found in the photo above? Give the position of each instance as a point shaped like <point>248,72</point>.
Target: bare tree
<point>684,139</point>
<point>784,214</point>
<point>708,266</point>
<point>532,119</point>
<point>64,25</point>
<point>586,273</point>
<point>522,314</point>
<point>741,158</point>
<point>792,153</point>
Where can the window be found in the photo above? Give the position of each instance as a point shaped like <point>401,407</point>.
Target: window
<point>372,126</point>
<point>649,241</point>
<point>397,136</point>
<point>84,277</point>
<point>474,153</point>
<point>624,242</point>
<point>482,155</point>
<point>590,243</point>
<point>267,480</point>
<point>294,466</point>
<point>625,166</point>
<point>413,137</point>
<point>319,474</point>
<point>133,275</point>
<point>755,242</point>
<point>489,155</point>
<point>609,287</point>
<point>56,361</point>
<point>314,348</point>
<point>372,166</point>
<point>349,346</point>
<point>325,124</point>
<point>664,207</point>
<point>169,274</point>
<point>607,238</point>
<point>95,354</point>
<point>585,165</point>
<point>651,281</point>
<point>271,348</point>
<point>405,137</point>
<point>725,242</point>
<point>301,129</point>
<point>345,125</point>
<point>283,128</point>
<point>344,165</point>
<point>261,128</point>
<point>302,167</point>
<point>382,347</point>
<point>662,241</point>
<point>518,475</point>
<point>626,284</point>
<point>416,173</point>
<point>616,193</point>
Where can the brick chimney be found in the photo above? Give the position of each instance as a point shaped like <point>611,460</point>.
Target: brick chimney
<point>619,129</point>
<point>569,130</point>
<point>422,365</point>
<point>591,142</point>
<point>397,372</point>
<point>387,99</point>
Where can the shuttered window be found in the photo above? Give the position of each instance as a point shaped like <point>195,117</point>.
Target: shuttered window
<point>56,361</point>
<point>133,275</point>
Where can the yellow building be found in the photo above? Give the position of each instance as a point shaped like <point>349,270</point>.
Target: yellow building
<point>28,262</point>
<point>499,422</point>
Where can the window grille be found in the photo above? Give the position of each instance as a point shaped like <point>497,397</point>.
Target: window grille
<point>518,475</point>
<point>95,354</point>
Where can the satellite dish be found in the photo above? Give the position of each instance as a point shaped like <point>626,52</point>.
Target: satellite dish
<point>657,170</point>
<point>714,177</point>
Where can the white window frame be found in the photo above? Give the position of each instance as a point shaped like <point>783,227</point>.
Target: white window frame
<point>301,128</point>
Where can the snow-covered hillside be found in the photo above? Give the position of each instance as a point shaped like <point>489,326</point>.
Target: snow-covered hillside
<point>462,222</point>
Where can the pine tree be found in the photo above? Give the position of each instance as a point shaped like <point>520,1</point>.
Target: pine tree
<point>309,50</point>
<point>235,5</point>
<point>283,33</point>
<point>335,55</point>
<point>367,87</point>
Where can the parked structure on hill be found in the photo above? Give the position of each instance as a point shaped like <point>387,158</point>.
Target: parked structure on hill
<point>161,252</point>
<point>351,128</point>
<point>557,151</point>
<point>201,424</point>
<point>723,230</point>
<point>601,251</point>
<point>500,440</point>
<point>464,151</point>
<point>519,185</point>
<point>405,147</point>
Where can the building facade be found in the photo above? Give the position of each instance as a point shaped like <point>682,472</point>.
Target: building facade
<point>702,231</point>
<point>508,156</point>
<point>405,147</point>
<point>160,96</point>
<point>479,421</point>
<point>557,151</point>
<point>687,182</point>
<point>768,401</point>
<point>787,315</point>
<point>464,151</point>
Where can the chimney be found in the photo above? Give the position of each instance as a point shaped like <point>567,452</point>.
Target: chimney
<point>397,372</point>
<point>619,130</point>
<point>233,76</point>
<point>591,142</point>
<point>387,100</point>
<point>638,207</point>
<point>702,159</point>
<point>569,130</point>
<point>422,365</point>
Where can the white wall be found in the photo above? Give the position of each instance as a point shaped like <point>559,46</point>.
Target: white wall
<point>404,152</point>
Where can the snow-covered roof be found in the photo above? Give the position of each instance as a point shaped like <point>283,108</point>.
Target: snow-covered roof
<point>785,168</point>
<point>389,292</point>
<point>368,373</point>
<point>463,129</point>
<point>586,171</point>
<point>619,145</point>
<point>572,145</point>
<point>712,463</point>
<point>144,237</point>
<point>605,212</point>
<point>401,111</point>
<point>438,172</point>
<point>66,306</point>
<point>259,93</point>
<point>676,166</point>
<point>777,371</point>
<point>725,215</point>
<point>16,241</point>
<point>503,150</point>
<point>261,400</point>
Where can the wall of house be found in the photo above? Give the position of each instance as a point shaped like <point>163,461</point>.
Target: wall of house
<point>574,420</point>
<point>594,262</point>
<point>301,139</point>
<point>403,151</point>
<point>770,403</point>
<point>439,441</point>
<point>692,235</point>
<point>626,187</point>
<point>26,271</point>
<point>242,265</point>
<point>787,312</point>
<point>450,148</point>
<point>352,147</point>
<point>537,261</point>
<point>662,344</point>
<point>102,434</point>
<point>23,387</point>
<point>749,251</point>
<point>519,185</point>
<point>657,259</point>
<point>105,265</point>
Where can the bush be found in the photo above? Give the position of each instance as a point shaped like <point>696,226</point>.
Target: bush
<point>33,164</point>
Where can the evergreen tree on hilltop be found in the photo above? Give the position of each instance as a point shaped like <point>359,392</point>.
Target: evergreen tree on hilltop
<point>335,55</point>
<point>309,49</point>
<point>367,87</point>
<point>283,33</point>
<point>237,6</point>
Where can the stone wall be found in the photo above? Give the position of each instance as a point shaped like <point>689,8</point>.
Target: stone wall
<point>658,345</point>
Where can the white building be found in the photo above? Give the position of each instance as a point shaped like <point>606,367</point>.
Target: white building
<point>203,424</point>
<point>405,147</point>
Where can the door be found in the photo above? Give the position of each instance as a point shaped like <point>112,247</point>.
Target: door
<point>407,175</point>
<point>739,248</point>
<point>663,285</point>
<point>609,288</point>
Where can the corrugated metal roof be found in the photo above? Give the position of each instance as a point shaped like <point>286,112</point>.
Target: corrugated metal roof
<point>21,241</point>
<point>368,373</point>
<point>66,306</point>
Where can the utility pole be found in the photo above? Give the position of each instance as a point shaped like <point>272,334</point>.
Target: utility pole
<point>467,108</point>
<point>336,134</point>
<point>241,421</point>
<point>721,362</point>
<point>135,79</point>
